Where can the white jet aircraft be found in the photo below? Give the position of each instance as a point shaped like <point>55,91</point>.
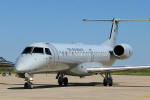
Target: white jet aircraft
<point>75,59</point>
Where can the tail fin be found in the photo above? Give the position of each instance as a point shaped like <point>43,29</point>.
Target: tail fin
<point>114,29</point>
<point>113,33</point>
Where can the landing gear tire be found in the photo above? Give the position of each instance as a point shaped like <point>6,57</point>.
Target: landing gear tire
<point>60,81</point>
<point>105,82</point>
<point>3,74</point>
<point>28,85</point>
<point>65,81</point>
<point>108,80</point>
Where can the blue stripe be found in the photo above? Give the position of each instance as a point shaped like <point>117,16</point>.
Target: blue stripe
<point>6,63</point>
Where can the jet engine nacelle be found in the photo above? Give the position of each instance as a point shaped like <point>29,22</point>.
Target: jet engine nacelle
<point>123,51</point>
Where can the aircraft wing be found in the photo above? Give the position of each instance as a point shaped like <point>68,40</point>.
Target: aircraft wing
<point>115,68</point>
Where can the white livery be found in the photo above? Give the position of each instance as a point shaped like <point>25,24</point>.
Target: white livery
<point>75,59</point>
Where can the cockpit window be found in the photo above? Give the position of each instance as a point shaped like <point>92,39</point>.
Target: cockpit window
<point>27,50</point>
<point>38,50</point>
<point>47,51</point>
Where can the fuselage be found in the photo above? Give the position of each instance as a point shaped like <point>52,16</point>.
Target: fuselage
<point>75,59</point>
<point>72,59</point>
<point>54,57</point>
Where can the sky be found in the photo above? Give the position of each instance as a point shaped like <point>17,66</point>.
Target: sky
<point>23,22</point>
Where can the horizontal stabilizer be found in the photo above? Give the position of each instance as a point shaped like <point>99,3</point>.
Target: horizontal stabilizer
<point>117,20</point>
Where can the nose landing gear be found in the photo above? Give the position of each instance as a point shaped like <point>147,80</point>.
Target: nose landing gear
<point>28,84</point>
<point>61,79</point>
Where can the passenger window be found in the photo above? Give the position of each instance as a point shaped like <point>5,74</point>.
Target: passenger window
<point>27,50</point>
<point>38,50</point>
<point>47,51</point>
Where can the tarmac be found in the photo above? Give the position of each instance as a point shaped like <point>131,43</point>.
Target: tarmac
<point>89,88</point>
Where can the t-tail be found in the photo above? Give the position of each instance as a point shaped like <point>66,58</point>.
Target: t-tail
<point>114,29</point>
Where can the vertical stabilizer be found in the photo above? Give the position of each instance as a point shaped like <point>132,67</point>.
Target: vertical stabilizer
<point>114,29</point>
<point>113,33</point>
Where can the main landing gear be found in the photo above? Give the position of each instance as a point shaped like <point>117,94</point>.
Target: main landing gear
<point>28,84</point>
<point>61,79</point>
<point>107,79</point>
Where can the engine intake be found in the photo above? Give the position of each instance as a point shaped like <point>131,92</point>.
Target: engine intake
<point>123,51</point>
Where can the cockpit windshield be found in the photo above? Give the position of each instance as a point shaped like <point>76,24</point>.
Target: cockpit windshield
<point>27,50</point>
<point>38,50</point>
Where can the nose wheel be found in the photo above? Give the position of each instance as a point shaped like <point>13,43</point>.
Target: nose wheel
<point>108,80</point>
<point>28,84</point>
<point>62,80</point>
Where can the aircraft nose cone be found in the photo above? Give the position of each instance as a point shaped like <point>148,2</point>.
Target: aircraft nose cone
<point>26,65</point>
<point>17,69</point>
<point>20,68</point>
<point>23,65</point>
<point>29,63</point>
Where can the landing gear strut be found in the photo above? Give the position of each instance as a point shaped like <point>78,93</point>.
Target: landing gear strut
<point>28,84</point>
<point>61,79</point>
<point>107,79</point>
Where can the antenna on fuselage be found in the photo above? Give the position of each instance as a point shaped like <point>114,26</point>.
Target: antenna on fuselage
<point>114,28</point>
